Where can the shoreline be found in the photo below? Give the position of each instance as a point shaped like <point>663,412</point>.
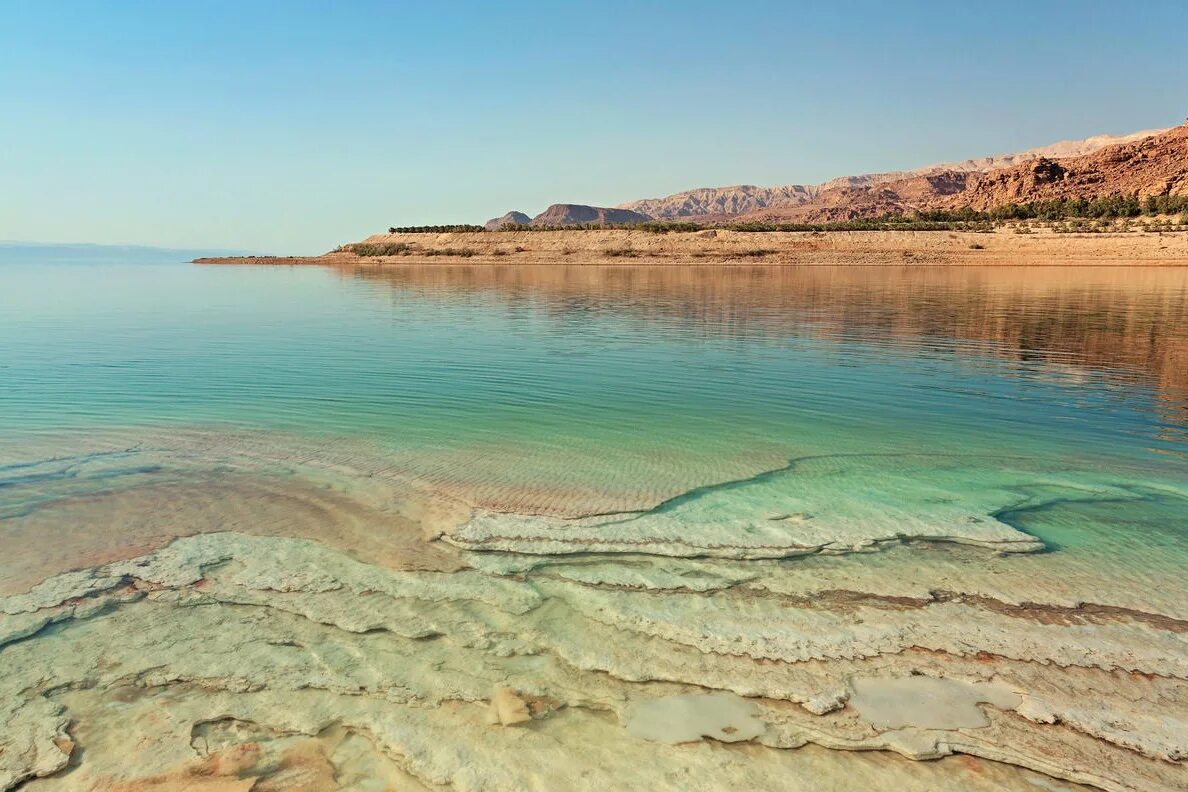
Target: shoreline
<point>622,247</point>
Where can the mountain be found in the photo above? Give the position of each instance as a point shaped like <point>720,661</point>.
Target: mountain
<point>1152,165</point>
<point>82,252</point>
<point>943,179</point>
<point>511,218</point>
<point>1156,165</point>
<point>578,214</point>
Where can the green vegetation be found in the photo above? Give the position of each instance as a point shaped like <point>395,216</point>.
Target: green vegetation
<point>380,249</point>
<point>1166,205</point>
<point>404,249</point>
<point>884,223</point>
<point>662,227</point>
<point>435,229</point>
<point>1105,207</point>
<point>1109,206</point>
<point>459,252</point>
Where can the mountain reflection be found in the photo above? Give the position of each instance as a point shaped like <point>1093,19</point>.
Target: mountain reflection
<point>1126,323</point>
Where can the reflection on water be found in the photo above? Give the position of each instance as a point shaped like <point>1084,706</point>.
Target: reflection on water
<point>1129,323</point>
<point>300,527</point>
<point>576,389</point>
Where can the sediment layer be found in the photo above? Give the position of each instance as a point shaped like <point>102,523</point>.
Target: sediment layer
<point>248,659</point>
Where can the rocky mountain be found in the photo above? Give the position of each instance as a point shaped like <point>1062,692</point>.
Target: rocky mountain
<point>1156,165</point>
<point>1151,165</point>
<point>831,197</point>
<point>571,214</point>
<point>559,215</point>
<point>578,214</point>
<point>511,218</point>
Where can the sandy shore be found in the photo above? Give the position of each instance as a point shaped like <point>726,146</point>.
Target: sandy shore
<point>1005,247</point>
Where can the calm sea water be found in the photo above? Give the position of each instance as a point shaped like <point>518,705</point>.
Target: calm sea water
<point>636,383</point>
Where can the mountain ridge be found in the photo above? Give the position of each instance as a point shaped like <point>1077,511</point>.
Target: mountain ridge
<point>746,199</point>
<point>1140,167</point>
<point>560,215</point>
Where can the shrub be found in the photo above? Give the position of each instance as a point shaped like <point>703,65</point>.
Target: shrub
<point>460,252</point>
<point>664,227</point>
<point>380,249</point>
<point>436,229</point>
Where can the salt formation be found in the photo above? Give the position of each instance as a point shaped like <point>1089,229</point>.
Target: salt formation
<point>507,708</point>
<point>247,659</point>
<point>689,717</point>
<point>926,703</point>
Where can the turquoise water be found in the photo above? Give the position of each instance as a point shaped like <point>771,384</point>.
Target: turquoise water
<point>631,386</point>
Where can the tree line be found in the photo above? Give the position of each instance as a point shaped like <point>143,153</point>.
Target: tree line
<point>436,229</point>
<point>1105,207</point>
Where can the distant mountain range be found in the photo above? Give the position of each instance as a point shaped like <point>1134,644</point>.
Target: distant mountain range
<point>69,252</point>
<point>1151,162</point>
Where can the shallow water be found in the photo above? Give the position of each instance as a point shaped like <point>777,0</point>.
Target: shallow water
<point>513,419</point>
<point>574,390</point>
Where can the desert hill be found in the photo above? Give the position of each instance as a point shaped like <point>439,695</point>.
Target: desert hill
<point>512,218</point>
<point>560,214</point>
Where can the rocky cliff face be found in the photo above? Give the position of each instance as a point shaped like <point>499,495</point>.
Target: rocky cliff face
<point>1156,165</point>
<point>872,194</point>
<point>712,201</point>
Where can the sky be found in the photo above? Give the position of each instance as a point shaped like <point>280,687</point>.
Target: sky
<point>291,127</point>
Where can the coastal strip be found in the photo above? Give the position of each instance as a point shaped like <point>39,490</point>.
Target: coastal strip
<point>1003,246</point>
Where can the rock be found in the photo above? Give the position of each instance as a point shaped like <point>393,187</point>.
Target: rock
<point>830,701</point>
<point>507,708</point>
<point>1144,163</point>
<point>580,214</point>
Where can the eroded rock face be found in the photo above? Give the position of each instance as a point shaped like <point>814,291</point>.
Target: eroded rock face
<point>1027,175</point>
<point>250,659</point>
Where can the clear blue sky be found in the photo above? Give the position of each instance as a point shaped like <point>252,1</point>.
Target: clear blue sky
<point>293,126</point>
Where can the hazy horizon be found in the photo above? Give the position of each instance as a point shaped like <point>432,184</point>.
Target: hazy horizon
<point>290,128</point>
